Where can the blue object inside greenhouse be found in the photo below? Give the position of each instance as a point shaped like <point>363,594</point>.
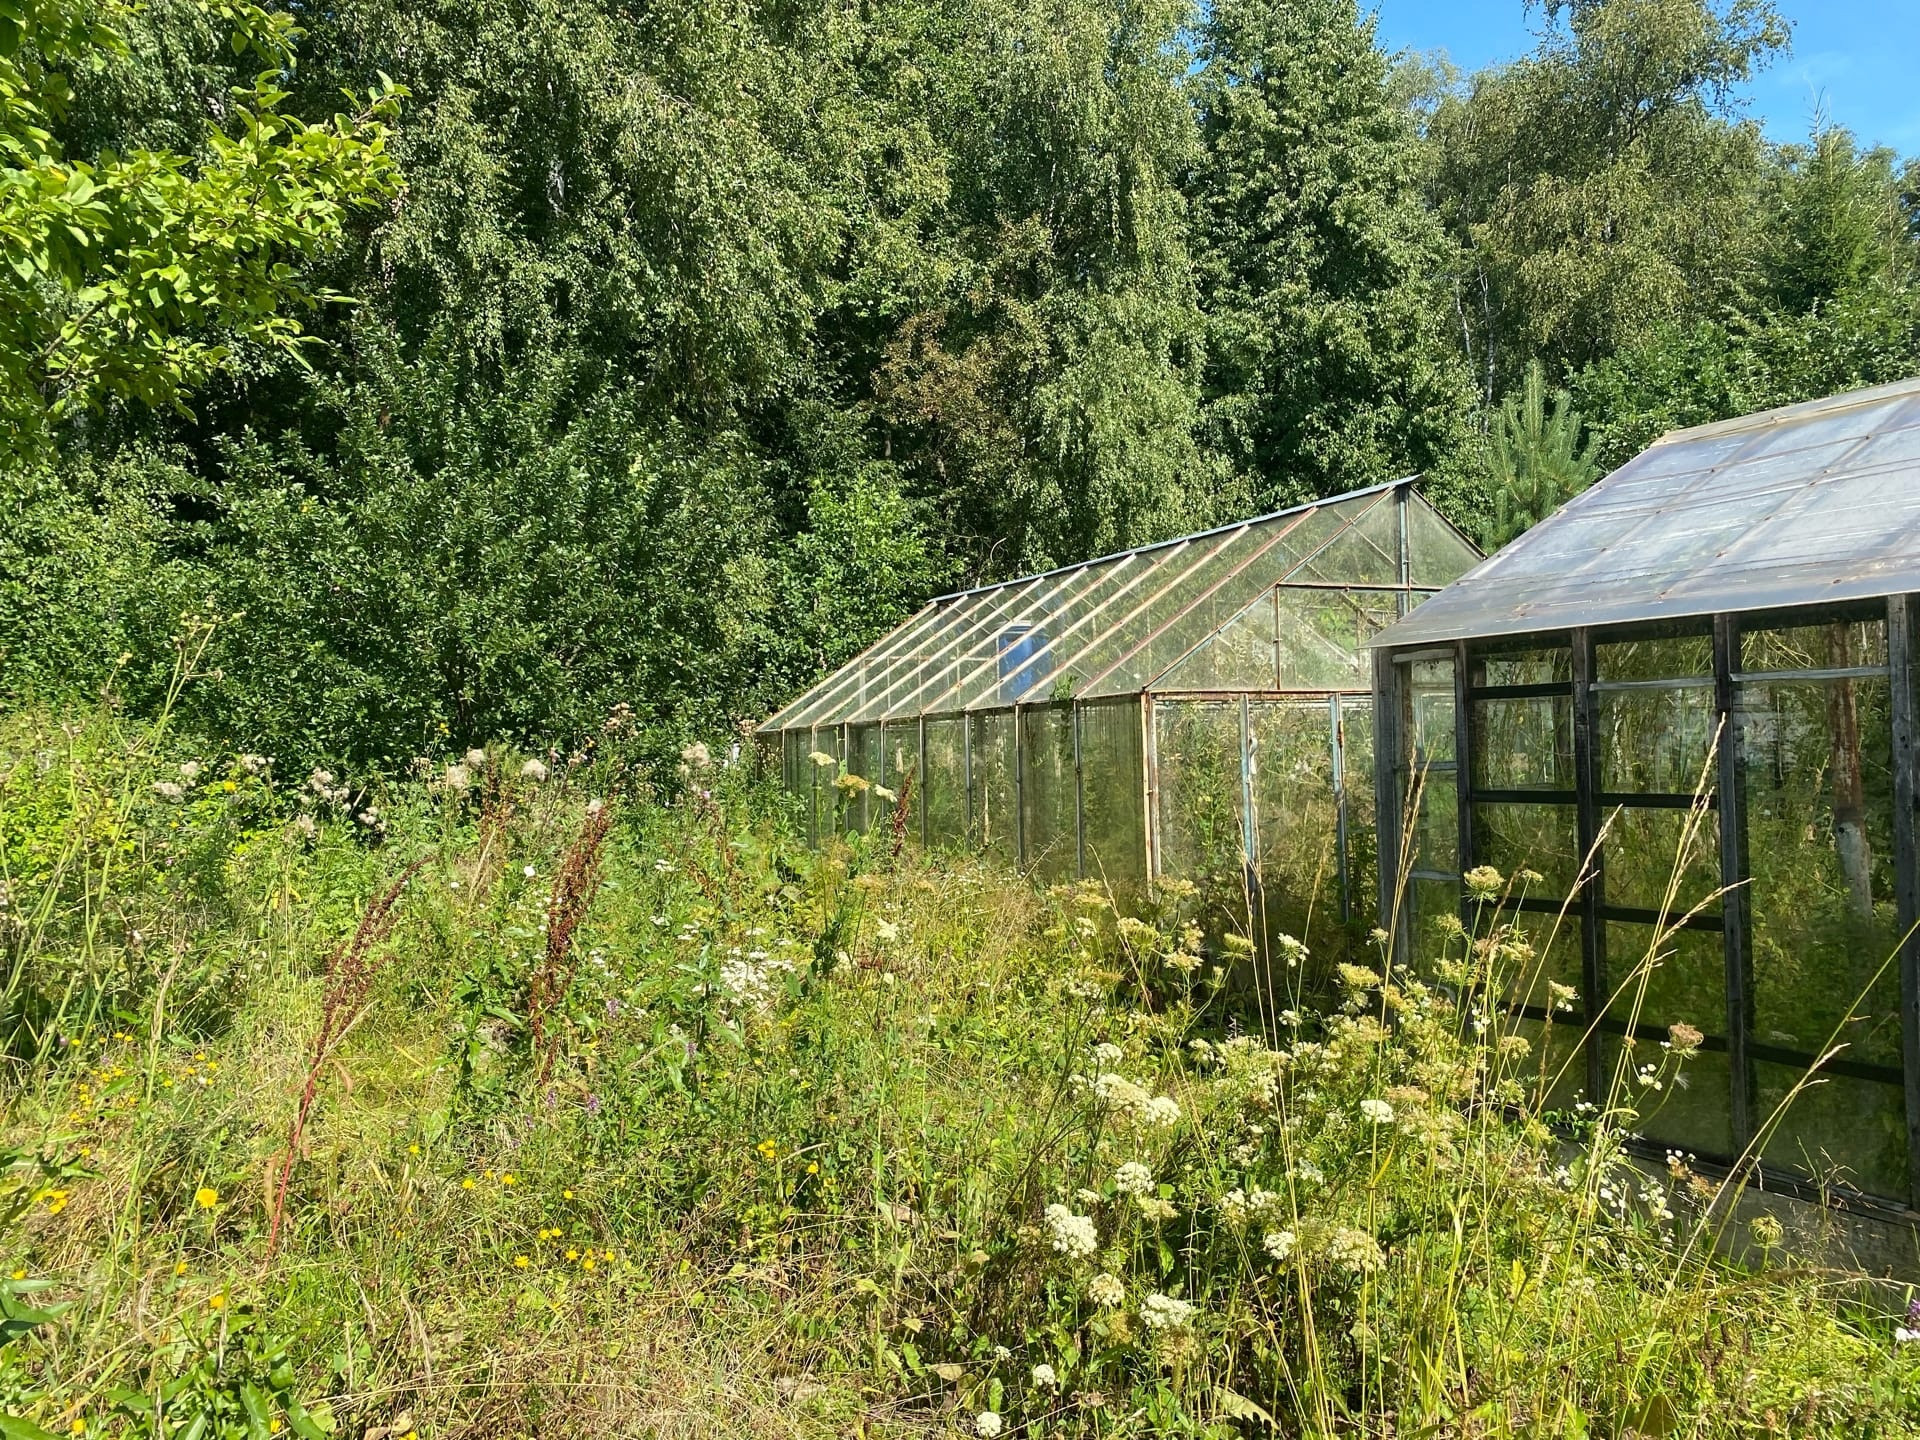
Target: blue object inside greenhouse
<point>1020,646</point>
<point>1680,720</point>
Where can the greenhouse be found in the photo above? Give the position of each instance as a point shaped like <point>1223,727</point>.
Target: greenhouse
<point>1686,704</point>
<point>1198,708</point>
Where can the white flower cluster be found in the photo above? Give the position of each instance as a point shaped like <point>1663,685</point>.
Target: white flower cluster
<point>1133,1178</point>
<point>1240,1209</point>
<point>1378,1111</point>
<point>1154,1111</point>
<point>1164,1312</point>
<point>1107,1291</point>
<point>1355,1250</point>
<point>749,980</point>
<point>1278,1244</point>
<point>1070,1234</point>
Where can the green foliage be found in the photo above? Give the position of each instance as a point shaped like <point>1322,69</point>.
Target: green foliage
<point>1536,459</point>
<point>131,274</point>
<point>1329,362</point>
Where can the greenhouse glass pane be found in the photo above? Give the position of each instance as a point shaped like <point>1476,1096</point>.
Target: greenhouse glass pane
<point>1239,656</point>
<point>1436,826</point>
<point>1440,554</point>
<point>1656,741</point>
<point>1047,793</point>
<point>1646,851</point>
<point>830,701</point>
<point>1433,921</point>
<point>1554,1069</point>
<point>829,799</point>
<point>957,648</point>
<point>1113,797</point>
<point>1818,803</point>
<point>1363,845</point>
<point>945,784</point>
<point>995,825</point>
<point>1840,645</point>
<point>1524,744</point>
<point>1197,605</point>
<point>1197,756</point>
<point>1321,632</point>
<point>1297,826</point>
<point>1429,723</point>
<point>1539,665</point>
<point>1366,553</point>
<point>1539,838</point>
<point>1693,1112</point>
<point>1685,977</point>
<point>1660,658</point>
<point>1551,956</point>
<point>1023,657</point>
<point>1837,1128</point>
<point>866,759</point>
<point>900,747</point>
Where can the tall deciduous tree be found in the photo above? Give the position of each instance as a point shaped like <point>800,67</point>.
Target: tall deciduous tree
<point>1328,366</point>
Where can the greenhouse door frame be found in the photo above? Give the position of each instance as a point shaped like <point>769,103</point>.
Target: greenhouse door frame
<point>1393,780</point>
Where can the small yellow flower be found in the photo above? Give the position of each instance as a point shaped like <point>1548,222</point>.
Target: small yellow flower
<point>587,1264</point>
<point>813,1167</point>
<point>78,1427</point>
<point>180,1268</point>
<point>566,1194</point>
<point>506,1179</point>
<point>229,787</point>
<point>520,1262</point>
<point>19,1274</point>
<point>56,1201</point>
<point>486,1174</point>
<point>467,1184</point>
<point>206,1197</point>
<point>413,1149</point>
<point>217,1301</point>
<point>573,1254</point>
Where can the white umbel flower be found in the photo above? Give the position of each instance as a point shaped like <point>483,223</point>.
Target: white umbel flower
<point>1378,1111</point>
<point>1072,1235</point>
<point>1043,1375</point>
<point>1133,1178</point>
<point>1107,1291</point>
<point>987,1424</point>
<point>1164,1312</point>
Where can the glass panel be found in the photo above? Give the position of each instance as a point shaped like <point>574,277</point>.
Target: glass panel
<point>945,782</point>
<point>1541,838</point>
<point>1197,756</point>
<point>1838,646</point>
<point>1440,554</point>
<point>829,799</point>
<point>824,701</point>
<point>1321,632</point>
<point>1199,604</point>
<point>1297,826</point>
<point>1655,741</point>
<point>1552,956</point>
<point>1685,975</point>
<point>1693,1108</point>
<point>1429,722</point>
<point>1239,657</point>
<point>865,758</point>
<point>1549,666</point>
<point>1523,744</point>
<point>1657,658</point>
<point>900,747</point>
<point>995,825</point>
<point>1554,1071</point>
<point>1432,923</point>
<point>1113,783</point>
<point>1363,845</point>
<point>1837,1128</point>
<point>1047,793</point>
<point>1816,765</point>
<point>1436,828</point>
<point>1367,553</point>
<point>1645,849</point>
<point>963,648</point>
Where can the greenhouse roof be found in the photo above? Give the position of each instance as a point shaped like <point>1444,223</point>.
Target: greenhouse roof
<point>1125,623</point>
<point>1807,504</point>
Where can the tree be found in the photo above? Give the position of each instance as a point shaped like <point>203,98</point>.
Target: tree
<point>1327,364</point>
<point>132,274</point>
<point>1536,457</point>
<point>1604,185</point>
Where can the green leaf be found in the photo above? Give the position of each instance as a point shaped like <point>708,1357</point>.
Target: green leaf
<point>17,1427</point>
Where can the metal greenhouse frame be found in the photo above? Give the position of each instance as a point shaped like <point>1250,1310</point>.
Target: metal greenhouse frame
<point>1194,707</point>
<point>1723,629</point>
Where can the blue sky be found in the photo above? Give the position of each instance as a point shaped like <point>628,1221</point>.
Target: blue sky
<point>1854,57</point>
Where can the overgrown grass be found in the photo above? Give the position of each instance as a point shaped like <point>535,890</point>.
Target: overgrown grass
<point>862,1143</point>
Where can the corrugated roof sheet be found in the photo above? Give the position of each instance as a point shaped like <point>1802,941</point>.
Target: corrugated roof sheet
<point>1802,505</point>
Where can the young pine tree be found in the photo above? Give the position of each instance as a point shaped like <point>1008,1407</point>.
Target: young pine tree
<point>1537,459</point>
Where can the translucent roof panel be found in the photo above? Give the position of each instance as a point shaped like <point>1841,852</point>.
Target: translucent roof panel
<point>1803,505</point>
<point>1112,625</point>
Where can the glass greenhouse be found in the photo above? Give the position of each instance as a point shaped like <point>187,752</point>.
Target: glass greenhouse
<point>1200,708</point>
<point>1718,636</point>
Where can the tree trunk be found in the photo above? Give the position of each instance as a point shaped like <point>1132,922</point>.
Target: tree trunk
<point>1849,797</point>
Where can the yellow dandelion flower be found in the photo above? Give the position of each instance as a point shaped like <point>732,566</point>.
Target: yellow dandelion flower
<point>217,1301</point>
<point>180,1268</point>
<point>486,1174</point>
<point>19,1274</point>
<point>520,1262</point>
<point>566,1194</point>
<point>56,1201</point>
<point>206,1197</point>
<point>467,1184</point>
<point>813,1167</point>
<point>572,1254</point>
<point>413,1149</point>
<point>506,1179</point>
<point>78,1427</point>
<point>587,1264</point>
